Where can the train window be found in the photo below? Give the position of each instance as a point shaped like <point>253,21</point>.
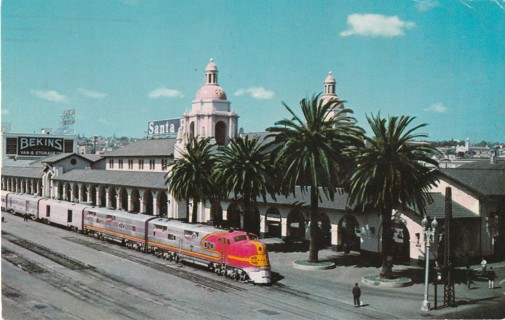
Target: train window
<point>48,210</point>
<point>171,237</point>
<point>69,216</point>
<point>154,233</point>
<point>134,228</point>
<point>162,228</point>
<point>240,238</point>
<point>98,220</point>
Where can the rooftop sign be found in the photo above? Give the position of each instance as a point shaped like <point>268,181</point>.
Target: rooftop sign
<point>168,127</point>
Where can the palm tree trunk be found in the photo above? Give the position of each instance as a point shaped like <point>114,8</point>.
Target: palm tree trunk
<point>194,216</point>
<point>314,229</point>
<point>387,244</point>
<point>247,213</point>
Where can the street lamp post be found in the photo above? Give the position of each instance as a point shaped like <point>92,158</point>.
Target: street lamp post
<point>428,233</point>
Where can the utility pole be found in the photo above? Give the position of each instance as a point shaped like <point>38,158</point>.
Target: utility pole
<point>449,294</point>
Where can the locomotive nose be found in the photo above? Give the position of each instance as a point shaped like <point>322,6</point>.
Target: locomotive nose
<point>260,259</point>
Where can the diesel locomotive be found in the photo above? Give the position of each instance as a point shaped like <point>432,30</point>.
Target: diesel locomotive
<point>232,253</point>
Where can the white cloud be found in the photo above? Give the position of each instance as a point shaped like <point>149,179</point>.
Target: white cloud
<point>436,107</point>
<point>163,92</point>
<point>49,95</point>
<point>5,112</point>
<point>425,5</point>
<point>258,93</point>
<point>376,25</point>
<point>92,94</point>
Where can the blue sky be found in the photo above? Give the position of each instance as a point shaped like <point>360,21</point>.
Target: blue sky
<point>122,63</point>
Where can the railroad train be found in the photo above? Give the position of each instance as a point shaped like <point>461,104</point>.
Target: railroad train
<point>232,253</point>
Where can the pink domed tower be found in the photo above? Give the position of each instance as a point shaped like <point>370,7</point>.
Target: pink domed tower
<point>210,114</point>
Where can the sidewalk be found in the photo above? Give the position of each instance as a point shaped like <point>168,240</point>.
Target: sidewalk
<point>402,303</point>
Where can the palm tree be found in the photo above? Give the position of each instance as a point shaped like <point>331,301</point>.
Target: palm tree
<point>191,176</point>
<point>313,151</point>
<point>392,172</point>
<point>244,169</point>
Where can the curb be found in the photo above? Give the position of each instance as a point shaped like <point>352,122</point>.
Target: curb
<point>306,265</point>
<point>373,280</point>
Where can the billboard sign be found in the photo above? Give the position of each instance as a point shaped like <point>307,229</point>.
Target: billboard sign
<point>168,127</point>
<point>38,146</point>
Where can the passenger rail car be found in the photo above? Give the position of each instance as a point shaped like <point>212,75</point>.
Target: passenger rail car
<point>62,213</point>
<point>24,204</point>
<point>3,195</point>
<point>119,226</point>
<point>235,254</point>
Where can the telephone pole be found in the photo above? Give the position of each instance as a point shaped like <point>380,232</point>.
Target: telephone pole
<point>449,294</point>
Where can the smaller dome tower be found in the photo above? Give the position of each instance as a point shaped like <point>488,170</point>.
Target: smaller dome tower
<point>329,88</point>
<point>211,89</point>
<point>329,91</point>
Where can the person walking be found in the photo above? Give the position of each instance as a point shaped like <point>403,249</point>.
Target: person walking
<point>468,276</point>
<point>484,266</point>
<point>490,277</point>
<point>25,217</point>
<point>356,293</point>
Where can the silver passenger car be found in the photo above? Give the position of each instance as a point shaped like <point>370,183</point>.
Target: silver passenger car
<point>119,226</point>
<point>23,204</point>
<point>63,213</point>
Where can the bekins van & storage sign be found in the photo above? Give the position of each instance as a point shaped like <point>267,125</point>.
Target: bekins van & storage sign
<point>31,146</point>
<point>163,127</point>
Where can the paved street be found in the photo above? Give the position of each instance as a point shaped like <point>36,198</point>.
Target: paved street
<point>50,273</point>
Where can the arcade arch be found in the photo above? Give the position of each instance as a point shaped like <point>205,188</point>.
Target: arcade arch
<point>112,197</point>
<point>75,192</point>
<point>148,202</point>
<point>135,199</point>
<point>233,219</point>
<point>347,232</point>
<point>162,204</point>
<point>83,193</point>
<point>273,223</point>
<point>295,225</point>
<point>216,213</point>
<point>123,197</point>
<point>59,192</point>
<point>102,196</point>
<point>324,225</point>
<point>92,195</point>
<point>68,191</point>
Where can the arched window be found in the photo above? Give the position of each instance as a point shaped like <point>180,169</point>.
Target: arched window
<point>192,130</point>
<point>220,134</point>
